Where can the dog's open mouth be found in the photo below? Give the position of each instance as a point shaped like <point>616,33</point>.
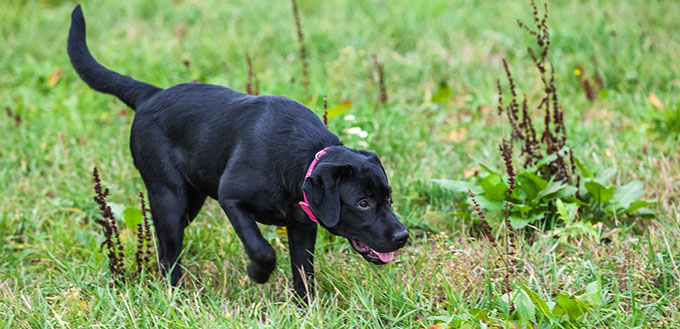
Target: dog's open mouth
<point>369,254</point>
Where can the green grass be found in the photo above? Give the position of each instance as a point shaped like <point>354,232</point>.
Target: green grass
<point>52,273</point>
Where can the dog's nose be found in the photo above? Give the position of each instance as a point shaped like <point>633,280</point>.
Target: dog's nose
<point>400,238</point>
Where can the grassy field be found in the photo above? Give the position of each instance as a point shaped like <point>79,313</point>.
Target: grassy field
<point>53,274</point>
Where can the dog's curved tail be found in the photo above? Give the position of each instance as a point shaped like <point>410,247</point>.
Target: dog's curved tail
<point>130,91</point>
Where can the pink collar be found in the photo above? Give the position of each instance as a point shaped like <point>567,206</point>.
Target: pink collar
<point>305,204</point>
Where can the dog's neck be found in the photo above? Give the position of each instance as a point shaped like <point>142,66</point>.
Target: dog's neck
<point>304,204</point>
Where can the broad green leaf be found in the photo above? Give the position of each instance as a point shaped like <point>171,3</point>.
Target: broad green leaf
<point>519,222</point>
<point>494,187</point>
<point>557,310</point>
<point>604,175</point>
<point>594,289</point>
<point>516,195</point>
<point>541,183</point>
<point>133,217</point>
<point>627,194</point>
<point>479,314</point>
<point>638,205</point>
<point>526,188</point>
<point>568,191</point>
<point>458,185</point>
<point>523,208</point>
<point>575,200</point>
<point>486,167</point>
<point>645,212</point>
<point>540,304</point>
<point>552,188</point>
<point>601,193</point>
<point>524,307</point>
<point>591,296</point>
<point>488,205</point>
<point>547,160</point>
<point>571,306</point>
<point>582,168</point>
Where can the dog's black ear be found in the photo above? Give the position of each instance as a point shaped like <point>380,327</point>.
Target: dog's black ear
<point>321,189</point>
<point>372,157</point>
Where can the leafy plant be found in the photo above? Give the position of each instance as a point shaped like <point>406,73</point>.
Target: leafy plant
<point>602,200</point>
<point>549,171</point>
<point>134,219</point>
<point>531,201</point>
<point>108,223</point>
<point>546,202</point>
<point>564,310</point>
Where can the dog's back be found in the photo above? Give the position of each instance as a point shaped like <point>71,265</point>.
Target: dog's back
<point>204,126</point>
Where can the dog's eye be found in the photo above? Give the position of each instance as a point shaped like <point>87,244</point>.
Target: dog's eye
<point>363,204</point>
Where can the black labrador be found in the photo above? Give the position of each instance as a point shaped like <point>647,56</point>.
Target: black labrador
<point>251,154</point>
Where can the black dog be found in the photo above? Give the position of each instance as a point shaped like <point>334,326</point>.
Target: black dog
<point>250,153</point>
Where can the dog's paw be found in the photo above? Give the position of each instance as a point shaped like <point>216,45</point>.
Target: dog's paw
<point>260,272</point>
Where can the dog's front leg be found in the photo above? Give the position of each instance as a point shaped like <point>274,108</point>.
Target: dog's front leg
<point>260,252</point>
<point>301,242</point>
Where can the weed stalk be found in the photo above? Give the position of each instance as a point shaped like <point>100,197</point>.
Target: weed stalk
<point>249,85</point>
<point>144,242</point>
<point>111,234</point>
<point>325,111</point>
<point>303,48</point>
<point>381,79</point>
<point>553,138</point>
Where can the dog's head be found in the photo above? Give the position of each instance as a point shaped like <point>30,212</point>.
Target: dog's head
<point>349,193</point>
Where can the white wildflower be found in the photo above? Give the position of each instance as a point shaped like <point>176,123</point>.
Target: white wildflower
<point>354,130</point>
<point>357,131</point>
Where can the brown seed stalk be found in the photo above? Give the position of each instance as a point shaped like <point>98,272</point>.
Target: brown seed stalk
<point>325,111</point>
<point>381,79</point>
<point>249,84</point>
<point>303,49</point>
<point>111,235</point>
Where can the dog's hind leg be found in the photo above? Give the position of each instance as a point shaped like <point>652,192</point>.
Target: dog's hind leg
<point>301,242</point>
<point>195,200</point>
<point>168,202</point>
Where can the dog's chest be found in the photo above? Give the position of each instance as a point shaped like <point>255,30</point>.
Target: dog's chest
<point>270,217</point>
<point>285,212</point>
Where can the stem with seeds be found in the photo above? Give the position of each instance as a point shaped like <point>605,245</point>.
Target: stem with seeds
<point>303,49</point>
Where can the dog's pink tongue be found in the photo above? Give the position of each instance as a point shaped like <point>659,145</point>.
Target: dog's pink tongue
<point>385,257</point>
